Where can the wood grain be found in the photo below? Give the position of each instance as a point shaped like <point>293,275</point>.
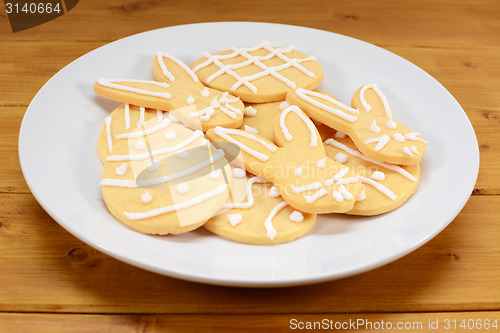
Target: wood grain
<point>416,322</point>
<point>48,270</point>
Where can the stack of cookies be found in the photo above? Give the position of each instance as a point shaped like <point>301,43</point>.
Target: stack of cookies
<point>242,144</point>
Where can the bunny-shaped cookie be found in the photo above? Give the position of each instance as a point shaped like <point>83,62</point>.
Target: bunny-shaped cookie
<point>369,123</point>
<point>297,165</point>
<point>178,90</point>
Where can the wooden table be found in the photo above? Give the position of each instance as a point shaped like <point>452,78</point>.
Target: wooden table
<point>52,282</point>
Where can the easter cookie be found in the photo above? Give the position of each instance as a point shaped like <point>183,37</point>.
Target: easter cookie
<point>387,186</point>
<point>263,217</point>
<point>369,123</point>
<point>260,118</point>
<point>177,90</point>
<point>297,165</point>
<point>258,74</point>
<point>162,181</point>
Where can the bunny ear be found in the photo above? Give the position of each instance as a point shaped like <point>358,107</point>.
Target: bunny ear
<point>256,149</point>
<point>293,127</point>
<point>167,68</point>
<point>370,99</point>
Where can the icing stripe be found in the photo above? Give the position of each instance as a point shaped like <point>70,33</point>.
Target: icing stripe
<point>305,95</point>
<point>316,196</point>
<point>188,70</point>
<point>127,116</point>
<point>367,106</point>
<point>381,141</point>
<point>395,168</point>
<point>111,83</point>
<point>308,187</point>
<point>144,156</point>
<point>164,124</point>
<point>159,114</point>
<point>204,114</point>
<point>224,133</point>
<point>268,223</point>
<point>251,201</point>
<point>295,109</point>
<point>381,188</point>
<point>108,133</point>
<point>413,136</point>
<point>186,204</point>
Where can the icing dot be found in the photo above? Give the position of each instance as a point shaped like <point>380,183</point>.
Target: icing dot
<point>378,175</point>
<point>362,196</point>
<point>215,174</point>
<point>391,124</point>
<point>120,171</point>
<point>190,100</point>
<point>250,129</point>
<point>407,151</point>
<point>298,172</point>
<point>340,135</point>
<point>205,92</point>
<point>146,198</point>
<point>414,150</point>
<point>374,128</point>
<point>170,135</point>
<point>273,192</point>
<point>296,216</point>
<point>182,154</point>
<point>321,163</point>
<point>337,196</point>
<point>182,188</point>
<point>250,111</point>
<point>215,103</point>
<point>239,173</point>
<point>398,137</point>
<point>234,219</point>
<point>284,105</point>
<point>341,158</point>
<point>153,166</point>
<point>139,144</point>
<point>345,193</point>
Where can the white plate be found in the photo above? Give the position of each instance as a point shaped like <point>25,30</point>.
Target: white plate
<point>57,149</point>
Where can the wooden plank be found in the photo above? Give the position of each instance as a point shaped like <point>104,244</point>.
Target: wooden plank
<point>414,322</point>
<point>45,269</point>
<point>458,23</point>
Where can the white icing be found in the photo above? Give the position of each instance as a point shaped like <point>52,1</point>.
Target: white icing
<point>256,60</point>
<point>398,137</point>
<point>367,106</point>
<point>140,144</point>
<point>374,128</point>
<point>136,157</point>
<point>146,197</point>
<point>407,151</point>
<point>338,176</point>
<point>381,141</point>
<point>413,136</point>
<point>348,180</point>
<point>230,110</point>
<point>356,153</point>
<point>251,129</point>
<point>340,135</point>
<point>190,100</point>
<point>108,133</point>
<point>341,158</point>
<point>182,188</point>
<point>205,92</point>
<point>225,134</point>
<point>112,83</point>
<point>215,174</point>
<point>312,198</point>
<point>203,114</point>
<point>345,193</point>
<point>141,121</point>
<point>273,192</point>
<point>296,216</point>
<point>153,166</point>
<point>250,111</point>
<point>381,188</point>
<point>225,99</point>
<point>284,105</point>
<point>170,135</point>
<point>189,203</point>
<point>120,171</point>
<point>298,172</point>
<point>268,223</point>
<point>182,154</point>
<point>414,150</point>
<point>172,117</point>
<point>215,103</point>
<point>308,187</point>
<point>234,219</point>
<point>378,175</point>
<point>251,200</point>
<point>337,196</point>
<point>165,123</point>
<point>127,116</point>
<point>169,75</point>
<point>321,163</point>
<point>307,121</point>
<point>159,114</point>
<point>391,124</point>
<point>362,196</point>
<point>305,95</point>
<point>239,173</point>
